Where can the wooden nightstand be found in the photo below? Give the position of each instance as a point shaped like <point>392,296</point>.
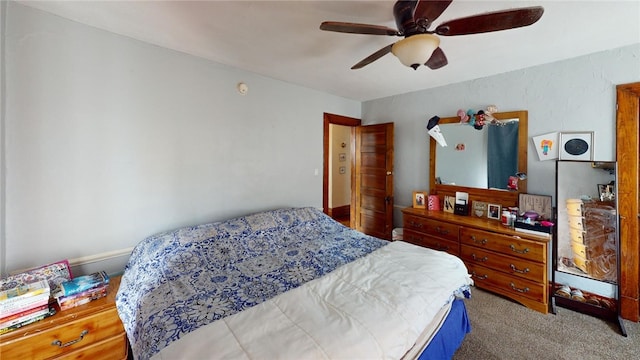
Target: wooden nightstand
<point>90,331</point>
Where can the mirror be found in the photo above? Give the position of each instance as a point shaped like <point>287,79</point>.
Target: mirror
<point>467,169</point>
<point>478,158</point>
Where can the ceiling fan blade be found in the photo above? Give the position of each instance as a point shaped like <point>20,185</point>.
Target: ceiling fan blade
<point>373,57</point>
<point>493,21</point>
<point>437,59</point>
<point>403,14</point>
<point>354,28</point>
<point>431,9</point>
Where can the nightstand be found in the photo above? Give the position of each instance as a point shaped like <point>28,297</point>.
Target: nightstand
<point>90,331</point>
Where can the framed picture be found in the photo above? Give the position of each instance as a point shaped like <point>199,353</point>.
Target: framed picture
<point>493,211</point>
<point>576,145</point>
<point>449,203</point>
<point>420,199</point>
<point>541,204</point>
<point>606,192</point>
<point>479,209</point>
<point>546,146</point>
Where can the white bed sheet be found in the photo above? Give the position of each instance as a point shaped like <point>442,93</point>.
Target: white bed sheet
<point>375,307</point>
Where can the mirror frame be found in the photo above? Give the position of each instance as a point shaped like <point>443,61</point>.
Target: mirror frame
<point>494,196</point>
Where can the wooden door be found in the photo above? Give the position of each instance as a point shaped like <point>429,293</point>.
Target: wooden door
<point>372,200</point>
<point>628,182</point>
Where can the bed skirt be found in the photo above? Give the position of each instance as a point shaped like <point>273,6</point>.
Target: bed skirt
<point>450,335</point>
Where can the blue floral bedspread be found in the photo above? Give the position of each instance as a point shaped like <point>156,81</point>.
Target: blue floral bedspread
<point>178,281</point>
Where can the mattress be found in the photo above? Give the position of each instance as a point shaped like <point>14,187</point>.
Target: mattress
<point>288,283</point>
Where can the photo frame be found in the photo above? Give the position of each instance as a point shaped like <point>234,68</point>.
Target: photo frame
<point>546,146</point>
<point>493,211</point>
<point>449,204</point>
<point>479,209</point>
<point>541,204</point>
<point>606,192</point>
<point>420,199</point>
<point>576,145</point>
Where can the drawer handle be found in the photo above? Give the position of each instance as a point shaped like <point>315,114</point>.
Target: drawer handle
<point>440,247</point>
<point>513,286</point>
<point>514,268</point>
<point>415,224</point>
<point>481,260</point>
<point>513,248</point>
<point>480,277</point>
<point>475,241</point>
<point>441,231</point>
<point>60,344</point>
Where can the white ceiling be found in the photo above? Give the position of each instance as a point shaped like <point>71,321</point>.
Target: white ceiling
<point>282,40</point>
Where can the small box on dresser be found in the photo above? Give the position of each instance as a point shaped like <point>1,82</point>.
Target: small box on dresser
<point>90,331</point>
<point>500,259</point>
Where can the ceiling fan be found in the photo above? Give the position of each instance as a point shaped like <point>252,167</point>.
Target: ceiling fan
<point>420,45</point>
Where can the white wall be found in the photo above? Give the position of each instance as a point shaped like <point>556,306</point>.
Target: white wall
<point>571,95</point>
<point>109,140</point>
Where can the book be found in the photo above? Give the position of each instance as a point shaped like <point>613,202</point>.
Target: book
<point>534,228</point>
<point>23,305</point>
<point>54,273</point>
<point>82,283</point>
<point>23,313</point>
<point>51,312</point>
<point>71,301</point>
<point>18,293</point>
<point>39,311</point>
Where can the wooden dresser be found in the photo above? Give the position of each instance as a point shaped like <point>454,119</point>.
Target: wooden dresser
<point>90,331</point>
<point>501,260</point>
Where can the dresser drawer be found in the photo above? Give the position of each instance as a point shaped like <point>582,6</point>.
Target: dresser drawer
<point>509,285</point>
<point>505,244</point>
<point>507,264</point>
<point>114,348</point>
<point>431,242</point>
<point>82,333</point>
<point>440,229</point>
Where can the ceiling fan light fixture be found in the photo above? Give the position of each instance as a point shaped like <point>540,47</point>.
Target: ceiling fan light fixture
<point>415,50</point>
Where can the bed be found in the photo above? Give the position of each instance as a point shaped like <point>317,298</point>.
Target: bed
<point>290,283</point>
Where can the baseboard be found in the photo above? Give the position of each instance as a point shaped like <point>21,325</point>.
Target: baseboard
<point>90,259</point>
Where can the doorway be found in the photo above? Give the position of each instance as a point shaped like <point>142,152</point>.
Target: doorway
<point>338,158</point>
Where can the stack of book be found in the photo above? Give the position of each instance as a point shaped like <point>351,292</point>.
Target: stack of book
<point>24,304</point>
<point>82,290</point>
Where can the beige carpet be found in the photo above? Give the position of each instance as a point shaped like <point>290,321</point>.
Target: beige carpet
<point>502,329</point>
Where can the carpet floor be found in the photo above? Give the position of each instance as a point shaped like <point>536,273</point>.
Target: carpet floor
<point>503,329</point>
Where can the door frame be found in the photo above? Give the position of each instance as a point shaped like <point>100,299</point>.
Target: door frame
<point>627,112</point>
<point>336,120</point>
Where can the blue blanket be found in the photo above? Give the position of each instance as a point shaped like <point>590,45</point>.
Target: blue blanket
<point>178,281</point>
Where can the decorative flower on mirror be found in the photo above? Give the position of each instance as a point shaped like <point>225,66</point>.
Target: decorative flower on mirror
<point>478,119</point>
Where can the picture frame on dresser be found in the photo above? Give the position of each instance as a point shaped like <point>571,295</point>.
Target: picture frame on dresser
<point>479,209</point>
<point>493,211</point>
<point>449,204</point>
<point>420,199</point>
